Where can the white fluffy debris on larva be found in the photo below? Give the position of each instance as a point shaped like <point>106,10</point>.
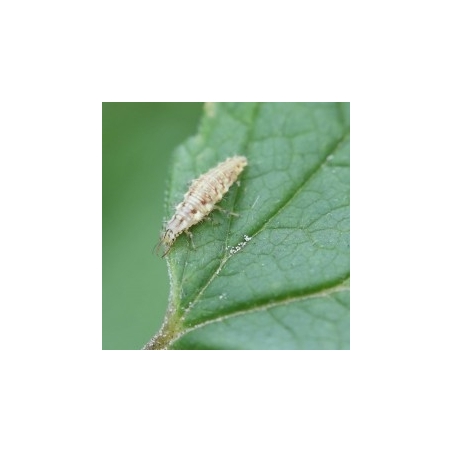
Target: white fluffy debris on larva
<point>201,198</point>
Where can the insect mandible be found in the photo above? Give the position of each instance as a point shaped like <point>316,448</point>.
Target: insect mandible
<point>201,198</point>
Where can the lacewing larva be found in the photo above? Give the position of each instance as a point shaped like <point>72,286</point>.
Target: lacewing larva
<point>201,198</point>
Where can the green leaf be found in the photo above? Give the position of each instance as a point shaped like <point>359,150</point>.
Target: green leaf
<point>277,276</point>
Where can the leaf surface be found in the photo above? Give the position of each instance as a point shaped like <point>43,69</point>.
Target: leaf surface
<point>276,276</point>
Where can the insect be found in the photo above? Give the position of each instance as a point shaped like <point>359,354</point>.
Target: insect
<point>201,198</point>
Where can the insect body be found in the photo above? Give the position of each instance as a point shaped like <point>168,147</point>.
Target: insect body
<point>201,198</point>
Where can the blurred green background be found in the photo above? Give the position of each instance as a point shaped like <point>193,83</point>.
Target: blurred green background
<point>137,142</point>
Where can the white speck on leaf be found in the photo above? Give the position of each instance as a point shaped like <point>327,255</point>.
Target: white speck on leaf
<point>240,246</point>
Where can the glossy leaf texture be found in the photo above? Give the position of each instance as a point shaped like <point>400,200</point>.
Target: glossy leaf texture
<point>277,276</point>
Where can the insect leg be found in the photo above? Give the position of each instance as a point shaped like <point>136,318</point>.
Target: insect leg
<point>190,236</point>
<point>227,212</point>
